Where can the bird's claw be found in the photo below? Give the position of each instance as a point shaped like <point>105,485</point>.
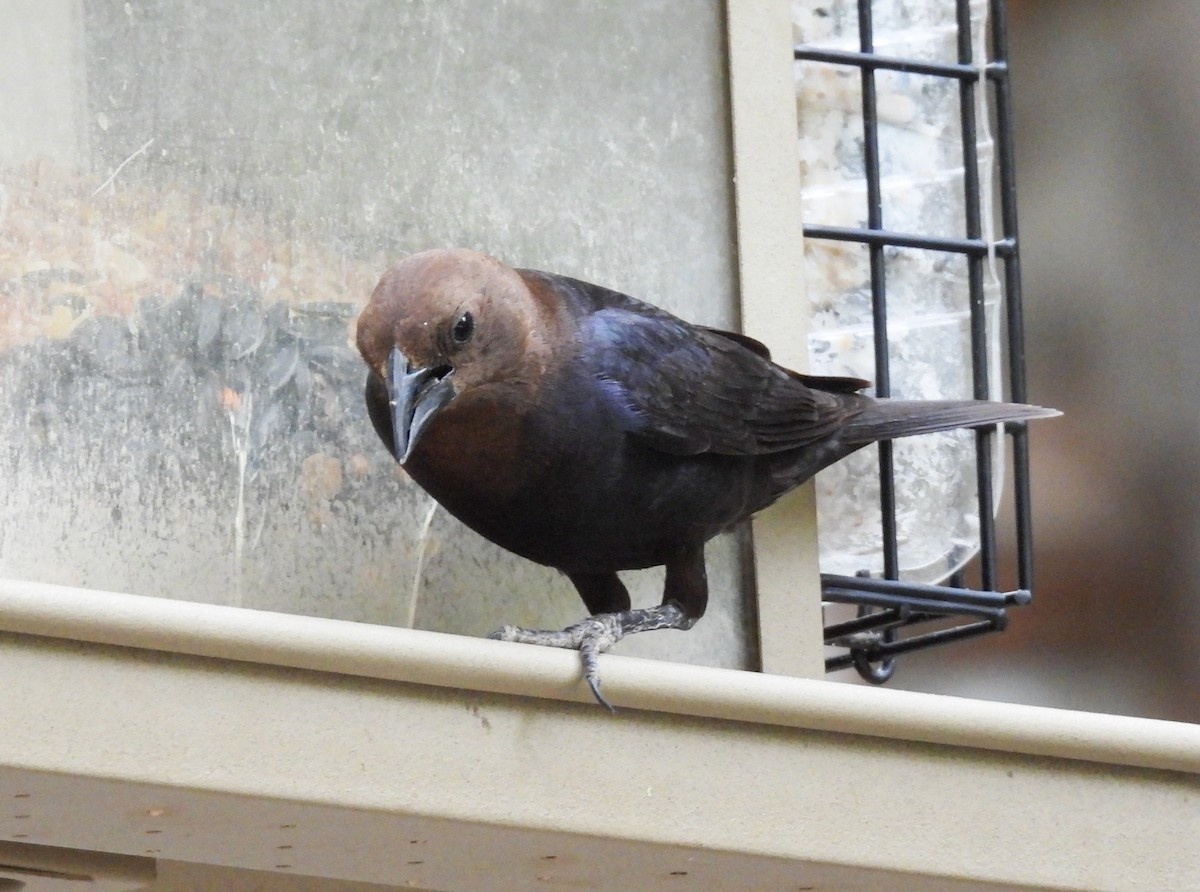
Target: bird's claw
<point>591,637</point>
<point>596,634</point>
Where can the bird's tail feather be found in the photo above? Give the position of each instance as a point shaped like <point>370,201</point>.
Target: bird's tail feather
<point>887,419</point>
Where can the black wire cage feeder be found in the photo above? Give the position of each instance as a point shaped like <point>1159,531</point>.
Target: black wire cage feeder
<point>936,73</point>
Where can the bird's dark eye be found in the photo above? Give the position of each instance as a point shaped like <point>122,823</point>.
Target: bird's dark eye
<point>463,328</point>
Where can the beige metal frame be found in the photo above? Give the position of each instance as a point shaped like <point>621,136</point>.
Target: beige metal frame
<point>297,745</point>
<point>771,270</point>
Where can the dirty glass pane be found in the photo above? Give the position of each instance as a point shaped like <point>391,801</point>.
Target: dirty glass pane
<point>195,202</point>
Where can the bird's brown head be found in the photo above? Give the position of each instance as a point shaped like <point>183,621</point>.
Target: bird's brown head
<point>441,324</point>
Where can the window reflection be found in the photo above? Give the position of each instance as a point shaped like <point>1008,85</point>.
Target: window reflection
<point>195,201</point>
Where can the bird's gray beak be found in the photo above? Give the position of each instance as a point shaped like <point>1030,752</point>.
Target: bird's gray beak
<point>416,396</point>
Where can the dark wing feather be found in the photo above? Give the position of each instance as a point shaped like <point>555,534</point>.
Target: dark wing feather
<point>819,382</point>
<point>758,348</point>
<point>686,390</point>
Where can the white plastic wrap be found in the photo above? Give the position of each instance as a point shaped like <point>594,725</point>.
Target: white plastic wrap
<point>921,167</point>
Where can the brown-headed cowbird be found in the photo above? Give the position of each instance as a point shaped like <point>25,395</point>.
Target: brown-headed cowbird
<point>591,432</point>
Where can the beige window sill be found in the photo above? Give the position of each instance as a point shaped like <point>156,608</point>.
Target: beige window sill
<point>311,747</point>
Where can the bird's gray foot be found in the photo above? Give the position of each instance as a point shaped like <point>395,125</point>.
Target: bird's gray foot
<point>596,634</point>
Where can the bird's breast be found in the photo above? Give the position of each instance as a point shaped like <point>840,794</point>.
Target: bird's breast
<point>472,453</point>
<point>558,478</point>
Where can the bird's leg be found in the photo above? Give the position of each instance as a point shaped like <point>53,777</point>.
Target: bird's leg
<point>685,596</point>
<point>596,634</point>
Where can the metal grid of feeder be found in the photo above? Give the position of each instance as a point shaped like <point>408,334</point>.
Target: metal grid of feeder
<point>959,53</point>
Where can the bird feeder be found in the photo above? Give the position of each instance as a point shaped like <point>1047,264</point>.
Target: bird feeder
<point>174,366</point>
<point>912,286</point>
<point>194,210</point>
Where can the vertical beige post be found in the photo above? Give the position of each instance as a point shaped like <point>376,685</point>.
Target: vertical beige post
<point>41,82</point>
<point>771,267</point>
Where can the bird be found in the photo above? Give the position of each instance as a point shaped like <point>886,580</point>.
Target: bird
<point>592,432</point>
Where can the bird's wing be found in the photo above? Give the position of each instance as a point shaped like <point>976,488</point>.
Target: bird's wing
<point>686,390</point>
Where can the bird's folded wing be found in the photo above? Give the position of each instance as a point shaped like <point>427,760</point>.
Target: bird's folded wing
<point>688,390</point>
